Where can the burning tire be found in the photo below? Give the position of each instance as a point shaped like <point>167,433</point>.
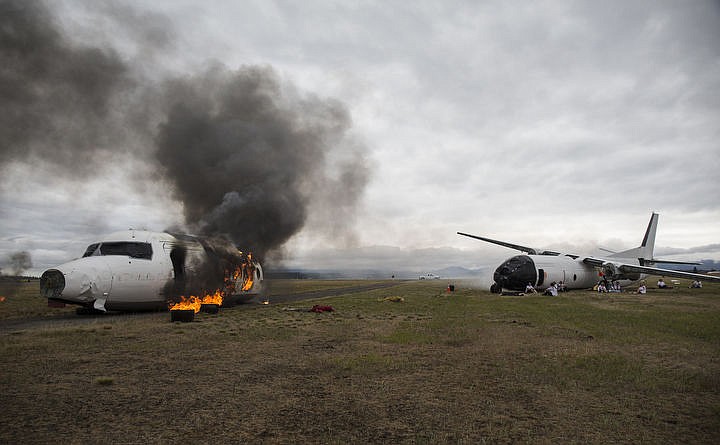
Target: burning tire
<point>182,315</point>
<point>210,308</point>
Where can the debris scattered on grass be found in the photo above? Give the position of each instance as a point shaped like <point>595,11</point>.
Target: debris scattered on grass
<point>394,299</point>
<point>317,309</point>
<point>104,381</point>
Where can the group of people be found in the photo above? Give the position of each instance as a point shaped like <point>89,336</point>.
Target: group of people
<point>696,284</point>
<point>662,285</point>
<point>605,286</point>
<point>552,290</point>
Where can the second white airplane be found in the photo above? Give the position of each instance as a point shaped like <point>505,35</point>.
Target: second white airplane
<point>540,268</point>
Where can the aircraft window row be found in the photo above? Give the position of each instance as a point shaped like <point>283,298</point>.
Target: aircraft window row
<point>132,249</point>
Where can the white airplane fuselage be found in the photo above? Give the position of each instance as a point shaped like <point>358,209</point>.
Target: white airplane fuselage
<point>135,270</point>
<point>540,271</point>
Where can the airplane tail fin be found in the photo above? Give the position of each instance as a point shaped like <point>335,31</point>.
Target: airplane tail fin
<point>646,249</point>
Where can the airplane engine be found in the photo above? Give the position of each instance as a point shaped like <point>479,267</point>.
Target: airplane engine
<point>610,270</point>
<point>614,271</point>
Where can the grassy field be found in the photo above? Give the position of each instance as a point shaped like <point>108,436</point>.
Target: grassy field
<point>462,367</point>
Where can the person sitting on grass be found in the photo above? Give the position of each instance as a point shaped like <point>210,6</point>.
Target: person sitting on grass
<point>642,289</point>
<point>661,284</point>
<point>552,290</point>
<point>529,289</point>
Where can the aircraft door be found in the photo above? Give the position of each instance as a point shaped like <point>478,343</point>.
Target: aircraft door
<point>177,256</point>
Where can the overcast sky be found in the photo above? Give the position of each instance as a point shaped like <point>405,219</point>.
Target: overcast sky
<point>554,124</point>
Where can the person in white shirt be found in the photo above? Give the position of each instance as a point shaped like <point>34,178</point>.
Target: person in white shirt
<point>552,290</point>
<point>661,284</point>
<point>529,289</point>
<point>642,289</point>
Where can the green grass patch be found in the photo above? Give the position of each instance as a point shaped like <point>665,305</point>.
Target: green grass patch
<point>462,367</point>
<point>104,381</point>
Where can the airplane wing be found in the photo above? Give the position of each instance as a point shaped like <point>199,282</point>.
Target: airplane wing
<point>653,261</point>
<point>528,250</point>
<point>525,249</point>
<point>635,268</point>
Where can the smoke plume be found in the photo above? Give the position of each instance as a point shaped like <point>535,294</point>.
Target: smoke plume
<point>19,262</point>
<point>56,96</point>
<point>248,155</point>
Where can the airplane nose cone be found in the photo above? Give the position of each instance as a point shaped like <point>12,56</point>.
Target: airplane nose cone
<point>516,273</point>
<point>81,281</point>
<point>52,283</point>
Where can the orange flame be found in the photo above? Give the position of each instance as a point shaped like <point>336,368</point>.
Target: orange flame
<point>248,269</point>
<point>216,298</point>
<point>2,299</point>
<point>194,303</point>
<point>248,283</point>
<point>244,272</point>
<point>187,304</point>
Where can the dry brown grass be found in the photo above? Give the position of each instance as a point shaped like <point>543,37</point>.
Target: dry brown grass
<point>468,367</point>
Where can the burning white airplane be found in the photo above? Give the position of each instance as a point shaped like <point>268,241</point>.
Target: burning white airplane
<point>542,267</point>
<point>139,270</point>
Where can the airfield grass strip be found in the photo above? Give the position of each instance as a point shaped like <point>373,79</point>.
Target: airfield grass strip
<point>429,367</point>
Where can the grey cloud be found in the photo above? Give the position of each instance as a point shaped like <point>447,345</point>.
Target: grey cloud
<point>477,113</point>
<point>709,248</point>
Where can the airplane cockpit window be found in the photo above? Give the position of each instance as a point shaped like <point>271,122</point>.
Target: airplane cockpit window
<point>133,250</point>
<point>122,248</point>
<point>91,250</point>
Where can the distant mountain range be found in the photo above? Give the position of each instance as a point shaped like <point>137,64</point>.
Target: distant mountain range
<point>446,273</point>
<point>705,266</point>
<point>452,272</point>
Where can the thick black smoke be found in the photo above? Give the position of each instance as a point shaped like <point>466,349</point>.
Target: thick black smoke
<point>55,96</point>
<point>248,156</point>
